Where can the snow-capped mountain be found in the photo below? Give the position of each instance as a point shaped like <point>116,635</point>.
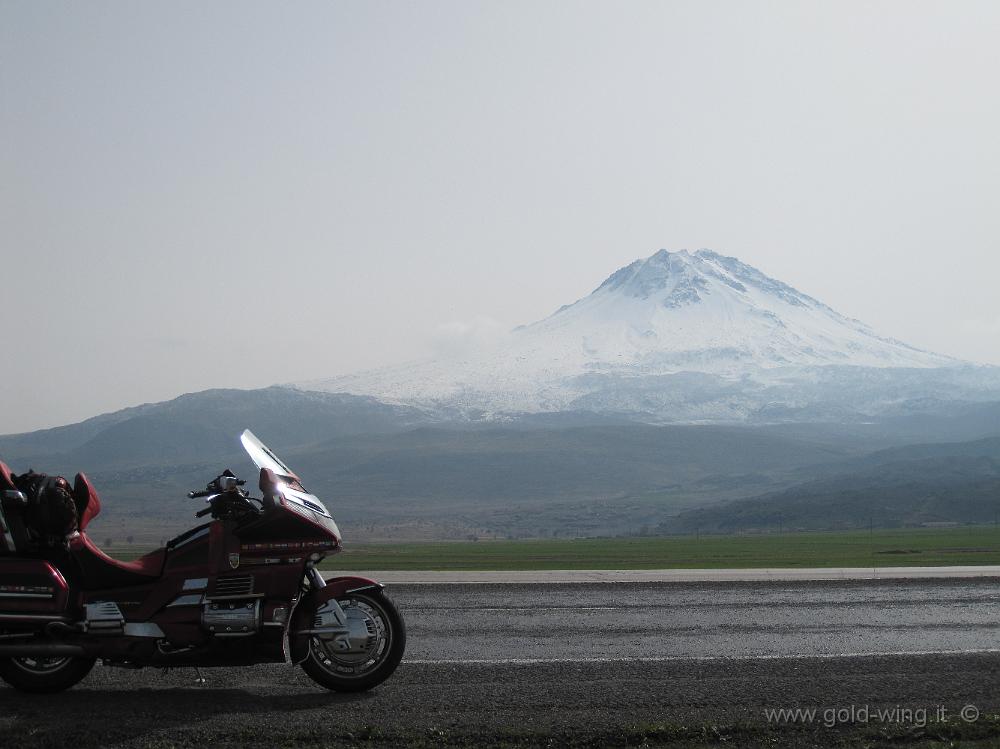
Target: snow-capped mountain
<point>701,311</point>
<point>675,336</point>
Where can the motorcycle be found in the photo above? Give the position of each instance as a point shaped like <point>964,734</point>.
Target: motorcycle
<point>240,590</point>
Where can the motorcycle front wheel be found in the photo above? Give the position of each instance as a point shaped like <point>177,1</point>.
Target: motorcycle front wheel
<point>365,667</point>
<point>44,675</point>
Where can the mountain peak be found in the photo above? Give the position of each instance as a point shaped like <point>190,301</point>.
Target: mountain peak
<point>681,278</point>
<point>673,317</point>
<point>709,312</point>
<point>663,270</point>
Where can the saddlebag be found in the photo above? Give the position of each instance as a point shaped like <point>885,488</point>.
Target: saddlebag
<point>31,588</point>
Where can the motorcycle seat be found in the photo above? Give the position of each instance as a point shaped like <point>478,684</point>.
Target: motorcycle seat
<point>100,570</point>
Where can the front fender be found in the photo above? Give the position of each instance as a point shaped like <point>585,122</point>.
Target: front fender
<point>298,644</point>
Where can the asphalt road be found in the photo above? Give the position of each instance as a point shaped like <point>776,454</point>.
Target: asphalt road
<point>780,574</point>
<point>589,664</point>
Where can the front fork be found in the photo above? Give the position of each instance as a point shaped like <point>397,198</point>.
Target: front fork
<point>330,622</point>
<point>331,606</point>
<point>315,578</point>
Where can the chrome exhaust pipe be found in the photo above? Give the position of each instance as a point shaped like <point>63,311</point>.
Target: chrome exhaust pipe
<point>55,629</point>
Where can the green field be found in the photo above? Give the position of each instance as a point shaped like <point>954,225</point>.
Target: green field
<point>975,544</point>
<point>881,548</point>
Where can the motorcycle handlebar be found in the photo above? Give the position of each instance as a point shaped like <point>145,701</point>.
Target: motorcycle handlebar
<point>220,484</point>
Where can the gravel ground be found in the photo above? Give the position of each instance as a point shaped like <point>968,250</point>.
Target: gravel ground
<point>590,665</point>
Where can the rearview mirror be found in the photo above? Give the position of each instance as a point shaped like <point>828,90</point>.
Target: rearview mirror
<point>13,495</point>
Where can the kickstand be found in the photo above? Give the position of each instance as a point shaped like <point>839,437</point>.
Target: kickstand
<point>199,679</point>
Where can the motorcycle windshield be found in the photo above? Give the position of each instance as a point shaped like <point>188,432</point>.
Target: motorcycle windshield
<point>263,457</point>
<point>295,496</point>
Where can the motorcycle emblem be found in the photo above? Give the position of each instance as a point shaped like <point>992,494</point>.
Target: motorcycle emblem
<point>234,560</point>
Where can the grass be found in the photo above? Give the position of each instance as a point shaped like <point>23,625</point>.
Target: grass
<point>911,547</point>
<point>967,545</point>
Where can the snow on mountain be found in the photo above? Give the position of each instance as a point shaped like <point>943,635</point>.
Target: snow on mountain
<point>685,335</point>
<point>705,312</point>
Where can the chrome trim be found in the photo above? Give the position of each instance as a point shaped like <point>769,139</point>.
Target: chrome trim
<point>33,617</point>
<point>195,600</point>
<point>380,586</point>
<point>143,629</point>
<point>235,621</point>
<point>354,634</point>
<point>332,607</point>
<point>104,616</point>
<point>27,595</point>
<point>8,539</point>
<point>315,578</point>
<point>304,499</point>
<point>325,631</point>
<point>189,539</point>
<point>238,597</point>
<point>233,585</point>
<point>195,583</point>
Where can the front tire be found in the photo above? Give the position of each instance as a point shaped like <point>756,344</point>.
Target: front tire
<point>359,672</point>
<point>44,675</point>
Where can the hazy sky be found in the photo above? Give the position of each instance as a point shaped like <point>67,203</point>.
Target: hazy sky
<point>211,194</point>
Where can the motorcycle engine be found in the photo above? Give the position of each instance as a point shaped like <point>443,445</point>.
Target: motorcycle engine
<point>238,618</point>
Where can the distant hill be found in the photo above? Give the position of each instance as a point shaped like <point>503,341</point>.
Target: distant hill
<point>203,426</point>
<point>596,479</point>
<point>904,486</point>
<point>381,465</point>
<point>400,471</point>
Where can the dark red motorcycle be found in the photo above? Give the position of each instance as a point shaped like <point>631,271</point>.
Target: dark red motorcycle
<point>240,590</point>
